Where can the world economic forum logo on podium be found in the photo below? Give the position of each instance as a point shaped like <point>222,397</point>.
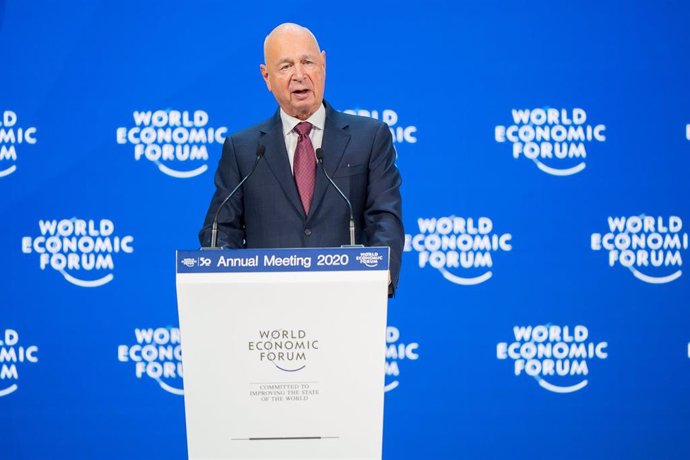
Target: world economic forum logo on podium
<point>12,136</point>
<point>460,248</point>
<point>83,251</point>
<point>177,142</point>
<point>189,262</point>
<point>557,357</point>
<point>156,354</point>
<point>288,350</point>
<point>13,354</point>
<point>554,139</point>
<point>651,247</point>
<point>370,259</point>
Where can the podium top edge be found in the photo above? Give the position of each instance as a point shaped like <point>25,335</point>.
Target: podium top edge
<point>282,260</point>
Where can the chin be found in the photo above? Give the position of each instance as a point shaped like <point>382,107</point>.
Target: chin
<point>304,110</point>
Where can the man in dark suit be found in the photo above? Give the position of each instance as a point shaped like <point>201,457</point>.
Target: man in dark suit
<point>288,202</point>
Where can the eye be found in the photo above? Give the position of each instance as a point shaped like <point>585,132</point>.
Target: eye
<point>284,67</point>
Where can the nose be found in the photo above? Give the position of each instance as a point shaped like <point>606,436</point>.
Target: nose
<point>299,72</point>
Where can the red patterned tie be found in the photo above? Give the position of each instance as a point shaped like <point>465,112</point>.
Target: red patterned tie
<point>305,165</point>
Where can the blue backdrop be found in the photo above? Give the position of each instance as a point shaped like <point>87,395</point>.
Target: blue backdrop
<point>544,147</point>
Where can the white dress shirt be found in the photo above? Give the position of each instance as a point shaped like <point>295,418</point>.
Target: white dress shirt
<point>318,121</point>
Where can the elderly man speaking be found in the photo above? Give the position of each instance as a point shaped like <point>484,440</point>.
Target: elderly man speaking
<point>288,202</point>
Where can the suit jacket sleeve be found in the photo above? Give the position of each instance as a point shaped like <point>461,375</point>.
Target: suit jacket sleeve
<point>383,212</point>
<point>230,221</point>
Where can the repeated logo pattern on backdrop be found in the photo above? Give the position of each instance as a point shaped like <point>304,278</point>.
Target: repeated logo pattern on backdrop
<point>155,354</point>
<point>402,134</point>
<point>555,139</point>
<point>177,142</point>
<point>460,248</point>
<point>545,168</point>
<point>15,355</point>
<point>556,357</point>
<point>83,251</point>
<point>399,353</point>
<point>651,247</point>
<point>13,141</point>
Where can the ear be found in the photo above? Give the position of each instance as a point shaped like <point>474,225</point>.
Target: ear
<point>323,57</point>
<point>264,75</point>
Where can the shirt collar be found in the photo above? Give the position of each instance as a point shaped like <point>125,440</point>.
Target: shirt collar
<point>317,119</point>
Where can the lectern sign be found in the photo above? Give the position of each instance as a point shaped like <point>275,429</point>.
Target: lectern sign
<point>283,260</point>
<point>277,348</point>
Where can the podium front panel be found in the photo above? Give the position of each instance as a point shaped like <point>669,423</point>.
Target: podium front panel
<point>283,352</point>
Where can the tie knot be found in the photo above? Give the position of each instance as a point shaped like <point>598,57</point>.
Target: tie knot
<point>303,128</point>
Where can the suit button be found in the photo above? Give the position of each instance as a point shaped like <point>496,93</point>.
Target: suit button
<point>307,231</point>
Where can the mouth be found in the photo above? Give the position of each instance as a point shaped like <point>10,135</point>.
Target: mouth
<point>301,92</point>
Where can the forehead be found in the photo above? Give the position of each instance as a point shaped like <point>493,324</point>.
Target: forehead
<point>291,45</point>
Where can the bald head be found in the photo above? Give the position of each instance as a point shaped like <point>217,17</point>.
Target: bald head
<point>294,69</point>
<point>286,29</point>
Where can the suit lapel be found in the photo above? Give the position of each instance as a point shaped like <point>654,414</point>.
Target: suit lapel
<point>277,158</point>
<point>335,140</point>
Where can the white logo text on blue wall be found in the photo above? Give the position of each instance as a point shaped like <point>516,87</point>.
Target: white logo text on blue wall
<point>462,249</point>
<point>156,354</point>
<point>554,139</point>
<point>12,136</point>
<point>402,134</point>
<point>557,357</point>
<point>13,355</point>
<point>398,353</point>
<point>175,141</point>
<point>651,247</point>
<point>83,251</point>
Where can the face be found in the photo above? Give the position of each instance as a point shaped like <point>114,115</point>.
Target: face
<point>295,71</point>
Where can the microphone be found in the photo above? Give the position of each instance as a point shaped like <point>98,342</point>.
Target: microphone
<point>260,150</point>
<point>319,159</point>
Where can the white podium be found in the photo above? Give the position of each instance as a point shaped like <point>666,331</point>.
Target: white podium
<point>283,352</point>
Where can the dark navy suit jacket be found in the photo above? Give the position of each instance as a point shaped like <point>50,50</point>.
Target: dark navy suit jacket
<point>267,212</point>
